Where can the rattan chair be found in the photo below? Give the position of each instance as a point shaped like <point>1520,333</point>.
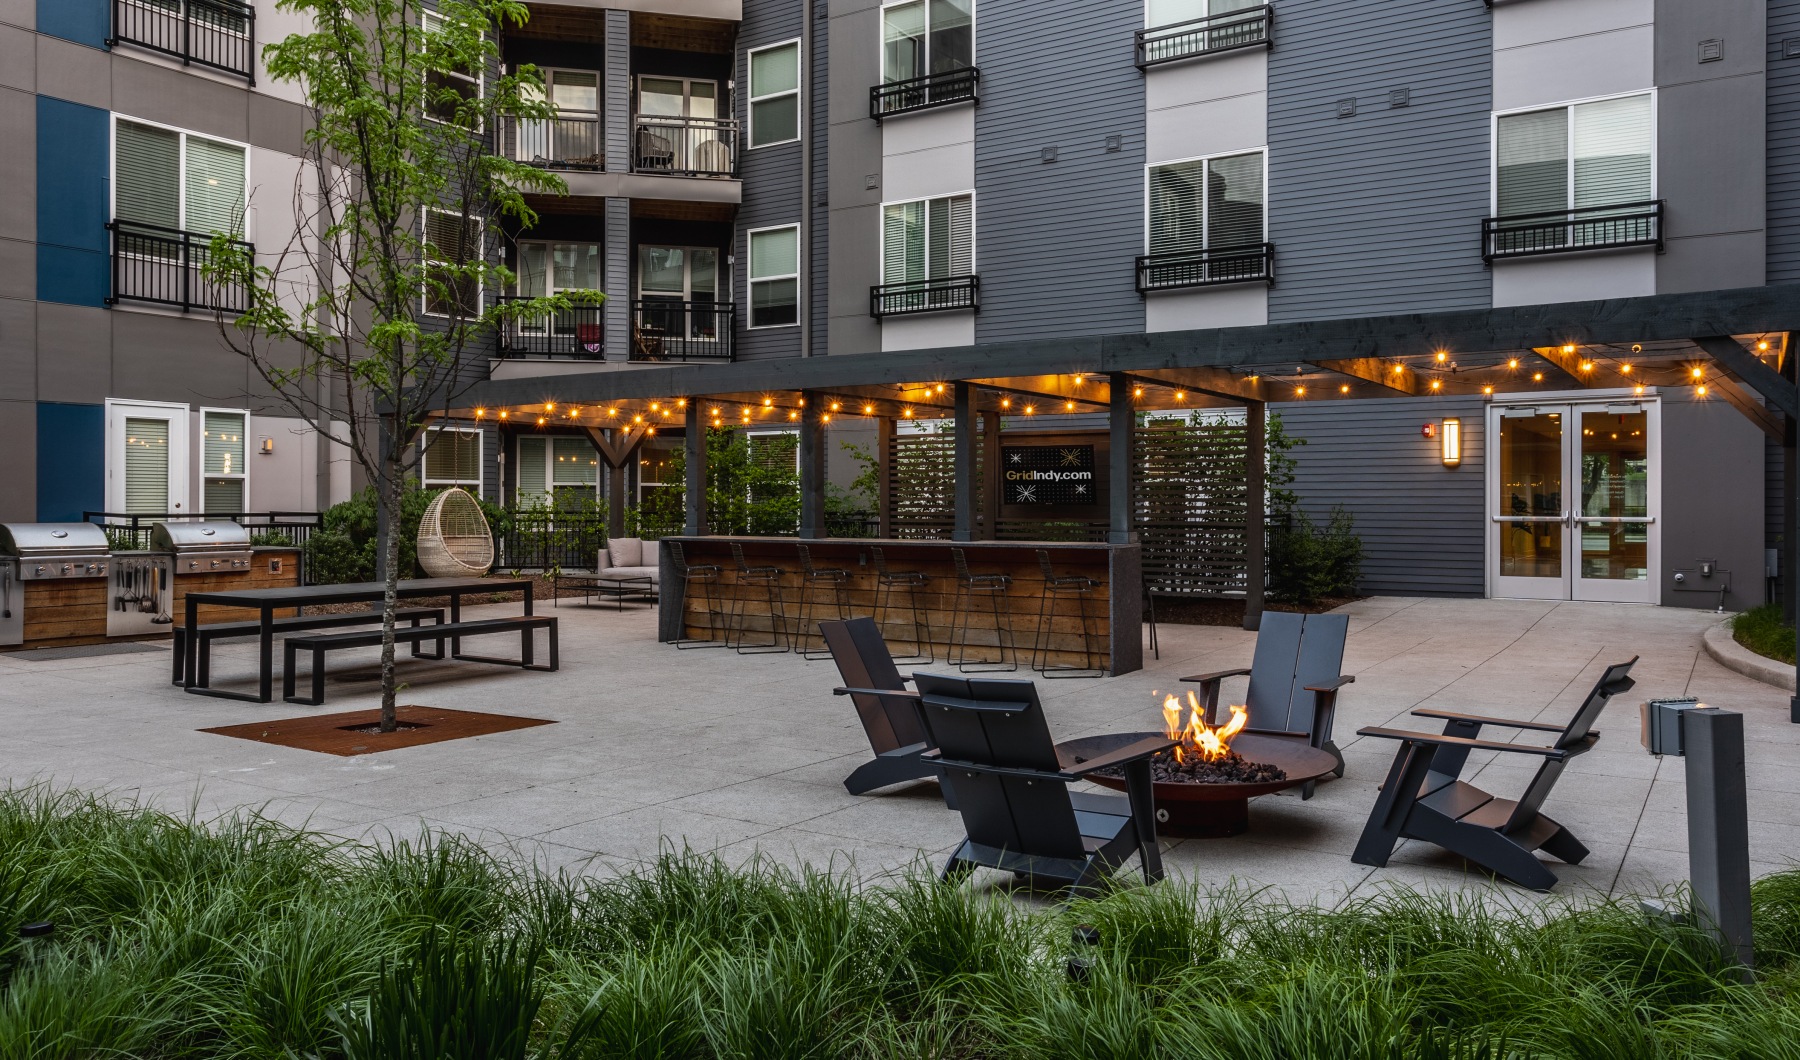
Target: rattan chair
<point>454,539</point>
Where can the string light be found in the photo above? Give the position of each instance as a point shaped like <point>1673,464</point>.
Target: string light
<point>1513,362</point>
<point>1068,406</point>
<point>1487,390</point>
<point>826,418</point>
<point>1344,389</point>
<point>612,412</point>
<point>793,415</point>
<point>1299,391</point>
<point>1701,390</point>
<point>1697,372</point>
<point>1587,366</point>
<point>502,413</point>
<point>1762,344</point>
<point>1398,368</point>
<point>836,405</point>
<point>1437,384</point>
<point>868,410</point>
<point>906,413</point>
<point>1442,356</point>
<point>768,402</point>
<point>1624,369</point>
<point>480,413</point>
<point>1031,410</point>
<point>1537,377</point>
<point>540,421</point>
<point>681,403</point>
<point>1006,403</point>
<point>1180,395</point>
<point>549,406</point>
<point>1137,391</point>
<point>1638,390</point>
<point>1569,348</point>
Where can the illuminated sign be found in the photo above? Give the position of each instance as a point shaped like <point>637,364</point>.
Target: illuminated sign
<point>1047,474</point>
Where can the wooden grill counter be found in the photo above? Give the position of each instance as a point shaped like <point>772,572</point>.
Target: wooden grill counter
<point>1114,616</point>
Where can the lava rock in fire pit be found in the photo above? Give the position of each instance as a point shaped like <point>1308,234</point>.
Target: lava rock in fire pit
<point>1233,768</point>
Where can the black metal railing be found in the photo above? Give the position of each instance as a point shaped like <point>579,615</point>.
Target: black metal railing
<point>693,147</point>
<point>932,90</point>
<point>1204,268</point>
<point>551,540</point>
<point>218,34</point>
<point>128,532</point>
<point>1224,32</point>
<point>576,332</point>
<point>670,330</point>
<point>167,266</point>
<point>555,143</point>
<point>1626,224</point>
<point>925,296</point>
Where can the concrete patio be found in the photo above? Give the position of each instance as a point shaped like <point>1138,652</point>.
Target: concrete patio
<point>741,754</point>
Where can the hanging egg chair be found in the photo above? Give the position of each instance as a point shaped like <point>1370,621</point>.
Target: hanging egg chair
<point>454,539</point>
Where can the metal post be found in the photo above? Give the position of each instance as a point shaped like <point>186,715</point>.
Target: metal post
<point>990,476</point>
<point>694,515</point>
<point>812,466</point>
<point>615,501</point>
<point>965,458</point>
<point>1718,826</point>
<point>1122,425</point>
<point>884,464</point>
<point>1256,528</point>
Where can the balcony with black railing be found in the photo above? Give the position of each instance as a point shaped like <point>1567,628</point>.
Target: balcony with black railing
<point>1626,224</point>
<point>925,296</point>
<point>167,266</point>
<point>687,147</point>
<point>217,34</point>
<point>669,329</point>
<point>938,89</point>
<point>1173,270</point>
<point>576,333</point>
<point>563,142</point>
<point>1225,32</point>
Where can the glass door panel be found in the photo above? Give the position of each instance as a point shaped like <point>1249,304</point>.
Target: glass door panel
<point>1529,512</point>
<point>1614,524</point>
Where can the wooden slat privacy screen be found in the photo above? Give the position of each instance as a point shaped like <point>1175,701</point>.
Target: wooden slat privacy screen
<point>922,484</point>
<point>1193,508</point>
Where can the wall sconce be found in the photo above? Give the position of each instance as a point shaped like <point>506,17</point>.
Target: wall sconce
<point>268,447</point>
<point>1450,441</point>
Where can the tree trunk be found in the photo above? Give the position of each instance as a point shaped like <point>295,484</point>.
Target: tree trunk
<point>389,490</point>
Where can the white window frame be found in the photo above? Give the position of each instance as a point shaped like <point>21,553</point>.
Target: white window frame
<point>974,227</point>
<point>1209,14</point>
<point>550,287</point>
<point>687,97</point>
<point>426,17</point>
<point>242,475</point>
<point>118,410</point>
<point>480,482</point>
<point>797,92</point>
<point>479,256</point>
<point>753,279</point>
<point>1569,157</point>
<point>1204,206</point>
<point>550,483</point>
<point>181,169</point>
<point>687,271</point>
<point>974,33</point>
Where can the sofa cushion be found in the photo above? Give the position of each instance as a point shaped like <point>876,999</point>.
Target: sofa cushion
<point>625,552</point>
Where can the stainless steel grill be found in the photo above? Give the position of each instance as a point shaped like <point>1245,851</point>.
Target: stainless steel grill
<point>219,545</point>
<point>56,550</point>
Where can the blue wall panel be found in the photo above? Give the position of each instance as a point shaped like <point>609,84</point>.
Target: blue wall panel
<point>82,21</point>
<point>71,461</point>
<point>73,202</point>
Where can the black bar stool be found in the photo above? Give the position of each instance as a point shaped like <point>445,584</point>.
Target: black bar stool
<point>969,587</point>
<point>837,580</point>
<point>748,579</point>
<point>705,578</point>
<point>1057,588</point>
<point>886,581</point>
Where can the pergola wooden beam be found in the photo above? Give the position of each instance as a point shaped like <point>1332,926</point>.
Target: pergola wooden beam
<point>1743,366</point>
<point>1213,382</point>
<point>1391,374</point>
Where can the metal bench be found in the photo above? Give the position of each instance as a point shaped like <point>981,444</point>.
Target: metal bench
<point>453,632</point>
<point>216,630</point>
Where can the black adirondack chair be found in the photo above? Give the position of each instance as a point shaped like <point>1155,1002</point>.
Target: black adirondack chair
<point>896,734</point>
<point>1423,799</point>
<point>1294,680</point>
<point>1012,787</point>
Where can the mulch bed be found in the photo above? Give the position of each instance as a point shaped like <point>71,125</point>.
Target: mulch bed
<point>1174,611</point>
<point>356,732</point>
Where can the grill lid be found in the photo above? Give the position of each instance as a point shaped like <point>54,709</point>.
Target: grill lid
<point>33,540</point>
<point>218,535</point>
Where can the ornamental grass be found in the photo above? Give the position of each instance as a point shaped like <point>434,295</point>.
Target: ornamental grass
<point>244,937</point>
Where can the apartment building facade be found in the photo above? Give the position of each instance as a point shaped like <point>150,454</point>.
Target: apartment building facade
<point>767,179</point>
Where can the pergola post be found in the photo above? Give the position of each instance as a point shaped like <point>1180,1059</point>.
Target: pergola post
<point>694,511</point>
<point>990,476</point>
<point>1256,536</point>
<point>964,528</point>
<point>884,464</point>
<point>1122,425</point>
<point>616,447</point>
<point>812,465</point>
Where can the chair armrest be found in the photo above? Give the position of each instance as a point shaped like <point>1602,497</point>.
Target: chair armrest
<point>1462,742</point>
<point>1218,676</point>
<point>1275,732</point>
<point>899,693</point>
<point>1334,684</point>
<point>1131,752</point>
<point>1451,715</point>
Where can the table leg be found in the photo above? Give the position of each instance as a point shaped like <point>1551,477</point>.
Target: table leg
<point>265,685</point>
<point>188,652</point>
<point>529,586</point>
<point>455,616</point>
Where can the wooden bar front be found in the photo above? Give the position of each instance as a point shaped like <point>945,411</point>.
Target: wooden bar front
<point>1114,610</point>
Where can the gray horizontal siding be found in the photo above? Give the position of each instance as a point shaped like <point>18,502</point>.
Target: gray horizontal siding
<point>771,175</point>
<point>1054,242</point>
<point>1380,212</point>
<point>1422,524</point>
<point>1783,80</point>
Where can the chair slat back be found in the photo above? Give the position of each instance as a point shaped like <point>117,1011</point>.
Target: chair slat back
<point>1321,661</point>
<point>1615,680</point>
<point>1272,670</point>
<point>1000,723</point>
<point>863,661</point>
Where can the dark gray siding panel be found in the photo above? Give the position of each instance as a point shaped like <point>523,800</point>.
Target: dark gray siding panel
<point>1784,144</point>
<point>1421,523</point>
<point>1379,212</point>
<point>1713,474</point>
<point>771,175</point>
<point>817,201</point>
<point>1054,241</point>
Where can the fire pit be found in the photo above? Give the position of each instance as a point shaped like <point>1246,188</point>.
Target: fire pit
<point>1204,785</point>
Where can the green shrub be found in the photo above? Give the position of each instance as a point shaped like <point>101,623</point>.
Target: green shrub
<point>1762,631</point>
<point>271,539</point>
<point>345,547</point>
<point>1308,562</point>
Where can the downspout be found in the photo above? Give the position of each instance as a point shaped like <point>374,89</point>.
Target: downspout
<point>806,177</point>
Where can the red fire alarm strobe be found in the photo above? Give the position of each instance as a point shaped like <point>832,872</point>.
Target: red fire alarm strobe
<point>1429,430</point>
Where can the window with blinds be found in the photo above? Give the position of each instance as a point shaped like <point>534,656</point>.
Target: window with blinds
<point>452,245</point>
<point>452,458</point>
<point>926,36</point>
<point>146,465</point>
<point>177,180</point>
<point>1206,204</point>
<point>775,277</point>
<point>224,486</point>
<point>1575,157</point>
<point>555,466</point>
<point>928,239</point>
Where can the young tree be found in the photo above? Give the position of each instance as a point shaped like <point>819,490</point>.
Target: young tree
<point>370,314</point>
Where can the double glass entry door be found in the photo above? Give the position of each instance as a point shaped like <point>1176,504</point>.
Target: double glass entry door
<point>1573,495</point>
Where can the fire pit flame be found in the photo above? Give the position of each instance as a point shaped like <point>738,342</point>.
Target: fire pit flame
<point>1198,738</point>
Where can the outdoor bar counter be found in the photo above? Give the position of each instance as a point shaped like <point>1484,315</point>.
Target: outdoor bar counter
<point>1114,622</point>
